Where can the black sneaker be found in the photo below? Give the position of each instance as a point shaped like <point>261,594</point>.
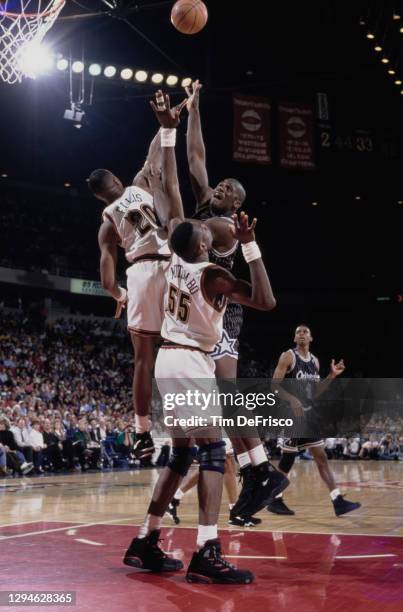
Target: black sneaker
<point>144,553</point>
<point>243,521</point>
<point>269,483</point>
<point>247,477</point>
<point>208,567</point>
<point>143,447</point>
<point>172,511</point>
<point>277,506</point>
<point>342,506</point>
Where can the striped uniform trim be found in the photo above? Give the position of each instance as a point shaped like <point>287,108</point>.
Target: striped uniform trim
<point>150,257</point>
<point>173,345</point>
<point>144,332</point>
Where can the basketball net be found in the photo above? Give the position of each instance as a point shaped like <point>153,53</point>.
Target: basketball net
<point>23,23</point>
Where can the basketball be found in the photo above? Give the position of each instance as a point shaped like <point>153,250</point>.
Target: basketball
<point>189,16</point>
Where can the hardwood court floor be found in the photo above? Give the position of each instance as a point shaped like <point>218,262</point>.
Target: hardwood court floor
<point>71,532</point>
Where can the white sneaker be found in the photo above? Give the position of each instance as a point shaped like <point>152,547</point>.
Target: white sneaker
<point>26,467</point>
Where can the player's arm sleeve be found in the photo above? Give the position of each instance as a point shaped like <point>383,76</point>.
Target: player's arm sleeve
<point>196,154</point>
<point>108,242</point>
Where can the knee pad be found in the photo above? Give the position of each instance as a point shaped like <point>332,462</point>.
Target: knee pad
<point>212,457</point>
<point>181,459</point>
<point>286,462</point>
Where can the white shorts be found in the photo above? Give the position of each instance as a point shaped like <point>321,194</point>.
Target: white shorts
<point>178,371</point>
<point>146,285</point>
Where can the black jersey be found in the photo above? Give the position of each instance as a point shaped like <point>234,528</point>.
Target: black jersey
<point>306,372</point>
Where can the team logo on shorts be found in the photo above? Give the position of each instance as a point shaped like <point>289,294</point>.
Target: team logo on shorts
<point>226,346</point>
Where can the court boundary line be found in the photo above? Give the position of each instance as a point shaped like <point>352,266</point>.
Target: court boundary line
<point>253,530</point>
<point>79,525</point>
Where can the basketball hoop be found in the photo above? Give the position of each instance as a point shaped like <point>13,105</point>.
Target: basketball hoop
<point>21,28</point>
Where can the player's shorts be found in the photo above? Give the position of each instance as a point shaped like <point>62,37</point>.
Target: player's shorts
<point>295,445</point>
<point>146,286</point>
<point>178,371</point>
<point>232,324</point>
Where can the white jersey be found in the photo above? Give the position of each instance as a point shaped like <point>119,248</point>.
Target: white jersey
<point>134,218</point>
<point>190,318</point>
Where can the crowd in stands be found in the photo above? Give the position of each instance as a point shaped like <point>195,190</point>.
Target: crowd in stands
<point>54,239</point>
<point>65,401</point>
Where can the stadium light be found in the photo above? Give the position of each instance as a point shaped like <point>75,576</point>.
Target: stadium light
<point>95,70</point>
<point>398,82</point>
<point>141,76</point>
<point>157,78</point>
<point>315,203</point>
<point>385,60</point>
<point>396,16</point>
<point>126,74</point>
<point>4,175</point>
<point>378,48</point>
<point>62,64</point>
<point>370,36</point>
<point>172,80</point>
<point>401,30</point>
<point>67,184</point>
<point>110,71</point>
<point>391,71</point>
<point>77,67</point>
<point>35,60</point>
<point>186,82</point>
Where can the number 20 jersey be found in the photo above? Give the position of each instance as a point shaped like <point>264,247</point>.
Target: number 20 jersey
<point>191,319</point>
<point>134,218</point>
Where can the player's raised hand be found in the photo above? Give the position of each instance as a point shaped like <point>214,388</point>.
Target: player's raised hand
<point>242,231</point>
<point>193,92</point>
<point>168,117</point>
<point>337,368</point>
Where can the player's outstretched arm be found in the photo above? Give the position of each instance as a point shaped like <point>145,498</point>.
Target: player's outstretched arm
<point>168,204</point>
<point>108,242</point>
<point>196,151</point>
<point>335,370</point>
<point>151,166</point>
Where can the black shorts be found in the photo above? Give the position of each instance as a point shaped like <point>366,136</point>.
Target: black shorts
<point>232,324</point>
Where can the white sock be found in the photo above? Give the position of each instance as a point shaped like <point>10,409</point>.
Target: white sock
<point>257,455</point>
<point>335,493</point>
<point>179,494</point>
<point>279,496</point>
<point>205,533</point>
<point>142,424</point>
<point>151,522</point>
<point>231,506</point>
<point>243,459</point>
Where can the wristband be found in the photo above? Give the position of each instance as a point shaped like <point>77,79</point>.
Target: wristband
<point>251,251</point>
<point>123,295</point>
<point>168,137</point>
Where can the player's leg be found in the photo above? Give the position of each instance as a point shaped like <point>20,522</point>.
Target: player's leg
<point>277,505</point>
<point>144,360</point>
<point>251,455</point>
<point>341,505</point>
<point>187,484</point>
<point>207,564</point>
<point>144,551</point>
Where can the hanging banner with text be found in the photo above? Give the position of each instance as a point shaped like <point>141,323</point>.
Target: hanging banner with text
<point>296,136</point>
<point>252,139</point>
